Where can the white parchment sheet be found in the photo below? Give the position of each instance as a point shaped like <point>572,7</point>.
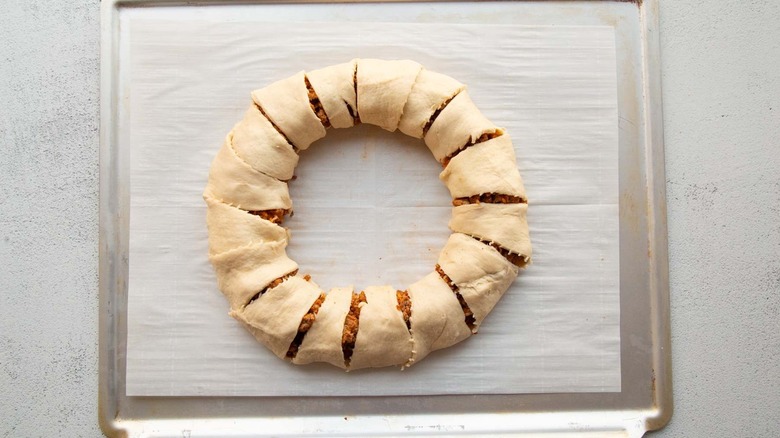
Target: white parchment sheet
<point>369,207</point>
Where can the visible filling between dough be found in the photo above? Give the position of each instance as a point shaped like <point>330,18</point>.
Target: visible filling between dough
<point>306,322</point>
<point>276,215</point>
<point>518,260</point>
<point>315,104</point>
<point>351,324</point>
<point>354,115</point>
<point>482,138</point>
<point>437,112</point>
<point>488,198</point>
<point>468,314</point>
<point>270,286</point>
<point>404,306</point>
<point>276,127</point>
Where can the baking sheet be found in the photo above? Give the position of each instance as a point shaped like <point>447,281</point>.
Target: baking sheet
<point>369,208</point>
<point>645,399</point>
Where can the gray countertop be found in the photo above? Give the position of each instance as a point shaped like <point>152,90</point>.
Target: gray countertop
<point>721,91</point>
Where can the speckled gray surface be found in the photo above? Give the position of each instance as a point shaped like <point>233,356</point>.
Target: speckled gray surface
<point>721,79</point>
<point>48,217</point>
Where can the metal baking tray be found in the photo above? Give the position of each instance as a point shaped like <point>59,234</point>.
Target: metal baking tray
<point>645,401</point>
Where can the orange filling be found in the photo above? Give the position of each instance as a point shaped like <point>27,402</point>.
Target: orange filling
<point>316,105</point>
<point>306,322</point>
<point>276,215</point>
<point>271,285</point>
<point>488,198</point>
<point>518,260</point>
<point>404,306</point>
<point>351,325</point>
<point>482,138</point>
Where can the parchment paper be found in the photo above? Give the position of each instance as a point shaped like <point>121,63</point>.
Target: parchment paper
<point>369,208</point>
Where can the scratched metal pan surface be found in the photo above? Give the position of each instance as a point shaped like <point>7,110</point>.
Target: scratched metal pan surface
<point>645,401</point>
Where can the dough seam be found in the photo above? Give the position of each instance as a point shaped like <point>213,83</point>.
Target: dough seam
<point>467,313</point>
<point>274,215</point>
<point>517,259</point>
<point>235,152</point>
<point>405,307</point>
<point>438,111</point>
<point>356,115</point>
<point>482,138</point>
<point>489,198</point>
<point>274,283</point>
<point>352,112</point>
<point>417,76</point>
<point>286,138</point>
<point>305,324</point>
<point>351,327</point>
<point>315,104</point>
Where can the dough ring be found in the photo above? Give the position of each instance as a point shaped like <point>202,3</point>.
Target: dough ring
<point>247,200</point>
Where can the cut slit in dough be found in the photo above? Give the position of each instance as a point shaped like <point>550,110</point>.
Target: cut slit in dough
<point>257,142</point>
<point>245,271</point>
<point>487,167</point>
<point>479,271</point>
<point>276,315</point>
<point>322,342</point>
<point>460,123</point>
<point>382,337</point>
<point>429,93</point>
<point>286,104</point>
<point>335,87</point>
<point>437,317</point>
<point>246,193</point>
<point>502,224</point>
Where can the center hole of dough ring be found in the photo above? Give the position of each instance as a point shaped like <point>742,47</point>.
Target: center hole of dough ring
<point>248,200</point>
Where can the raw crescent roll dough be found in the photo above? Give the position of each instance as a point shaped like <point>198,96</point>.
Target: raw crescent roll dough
<point>459,123</point>
<point>322,342</point>
<point>503,224</point>
<point>382,337</point>
<point>335,88</point>
<point>382,90</point>
<point>480,272</point>
<point>258,143</point>
<point>286,103</point>
<point>246,186</point>
<point>245,271</point>
<point>276,315</point>
<point>487,167</point>
<point>234,181</point>
<point>437,319</point>
<point>429,92</point>
<point>230,228</point>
